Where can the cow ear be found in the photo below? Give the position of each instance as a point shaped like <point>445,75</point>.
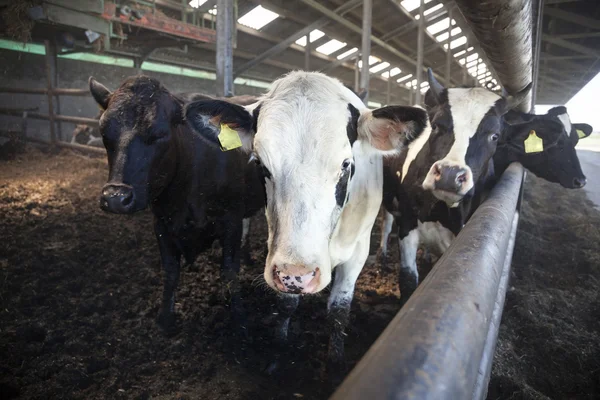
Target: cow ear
<point>389,129</point>
<point>222,124</point>
<point>100,93</point>
<point>583,130</point>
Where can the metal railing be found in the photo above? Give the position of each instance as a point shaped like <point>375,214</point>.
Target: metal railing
<point>441,343</point>
<point>51,92</point>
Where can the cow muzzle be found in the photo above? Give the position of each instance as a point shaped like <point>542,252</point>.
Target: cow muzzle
<point>448,182</point>
<point>296,279</point>
<point>117,198</point>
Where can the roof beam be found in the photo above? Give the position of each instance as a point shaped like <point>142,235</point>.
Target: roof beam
<point>573,18</point>
<point>571,46</point>
<point>355,28</point>
<point>281,46</point>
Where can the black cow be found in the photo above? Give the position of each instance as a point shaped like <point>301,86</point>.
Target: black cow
<point>430,188</point>
<point>558,162</point>
<point>196,192</point>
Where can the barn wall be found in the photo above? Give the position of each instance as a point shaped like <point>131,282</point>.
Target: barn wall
<point>20,69</point>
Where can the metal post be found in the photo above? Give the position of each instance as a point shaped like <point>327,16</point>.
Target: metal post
<point>464,70</point>
<point>449,53</point>
<point>225,25</point>
<point>389,91</point>
<point>537,42</point>
<point>356,76</point>
<point>49,60</point>
<point>307,50</point>
<point>420,42</point>
<point>366,46</point>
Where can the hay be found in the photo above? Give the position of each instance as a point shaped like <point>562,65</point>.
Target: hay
<point>17,21</point>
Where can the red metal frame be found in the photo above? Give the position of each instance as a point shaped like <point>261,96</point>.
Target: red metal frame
<point>161,24</point>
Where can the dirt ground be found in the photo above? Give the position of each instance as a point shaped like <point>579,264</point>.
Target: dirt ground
<point>80,290</point>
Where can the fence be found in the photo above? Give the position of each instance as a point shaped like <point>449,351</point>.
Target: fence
<point>51,92</point>
<point>441,343</point>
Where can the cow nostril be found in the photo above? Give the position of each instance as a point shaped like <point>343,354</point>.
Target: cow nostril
<point>579,183</point>
<point>461,178</point>
<point>437,172</point>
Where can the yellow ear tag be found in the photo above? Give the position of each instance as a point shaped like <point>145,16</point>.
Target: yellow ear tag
<point>534,144</point>
<point>581,134</point>
<point>229,138</point>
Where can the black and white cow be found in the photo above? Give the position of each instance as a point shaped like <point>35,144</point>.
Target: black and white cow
<point>320,152</point>
<point>557,162</point>
<point>430,187</point>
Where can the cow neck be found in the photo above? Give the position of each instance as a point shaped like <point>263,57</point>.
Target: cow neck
<point>172,198</point>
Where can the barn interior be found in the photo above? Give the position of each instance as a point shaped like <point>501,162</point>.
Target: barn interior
<point>80,288</point>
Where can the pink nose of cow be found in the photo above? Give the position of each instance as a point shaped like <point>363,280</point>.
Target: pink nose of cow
<point>296,279</point>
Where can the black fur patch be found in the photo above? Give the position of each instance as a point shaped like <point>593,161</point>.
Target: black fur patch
<point>417,117</point>
<point>352,127</point>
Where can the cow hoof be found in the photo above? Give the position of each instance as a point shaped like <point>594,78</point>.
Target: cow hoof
<point>167,323</point>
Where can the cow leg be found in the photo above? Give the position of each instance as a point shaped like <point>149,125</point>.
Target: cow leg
<point>387,221</point>
<point>170,259</point>
<point>246,242</point>
<point>338,307</point>
<point>286,306</point>
<point>408,274</point>
<point>230,267</point>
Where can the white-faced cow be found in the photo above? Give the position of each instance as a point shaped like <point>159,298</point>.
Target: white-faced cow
<point>320,152</point>
<point>430,187</point>
<point>197,193</point>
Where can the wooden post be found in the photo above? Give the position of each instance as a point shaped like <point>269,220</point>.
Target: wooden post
<point>49,60</point>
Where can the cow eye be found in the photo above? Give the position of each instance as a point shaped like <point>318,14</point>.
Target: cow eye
<point>254,158</point>
<point>347,164</point>
<point>494,137</point>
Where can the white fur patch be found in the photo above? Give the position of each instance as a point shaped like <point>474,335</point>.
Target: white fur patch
<point>468,107</point>
<point>414,148</point>
<point>566,121</point>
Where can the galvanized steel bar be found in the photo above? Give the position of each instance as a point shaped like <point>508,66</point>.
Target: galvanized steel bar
<point>307,50</point>
<point>485,367</point>
<point>366,46</point>
<point>37,115</point>
<point>224,56</point>
<point>433,348</point>
<point>420,43</point>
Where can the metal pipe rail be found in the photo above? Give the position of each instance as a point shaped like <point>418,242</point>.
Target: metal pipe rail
<point>441,343</point>
<point>55,91</point>
<point>37,115</point>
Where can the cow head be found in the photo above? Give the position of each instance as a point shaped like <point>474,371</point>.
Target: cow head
<point>136,132</point>
<point>466,124</point>
<point>556,160</point>
<point>310,134</point>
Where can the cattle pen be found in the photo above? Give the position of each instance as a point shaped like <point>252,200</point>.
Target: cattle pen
<point>510,310</point>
